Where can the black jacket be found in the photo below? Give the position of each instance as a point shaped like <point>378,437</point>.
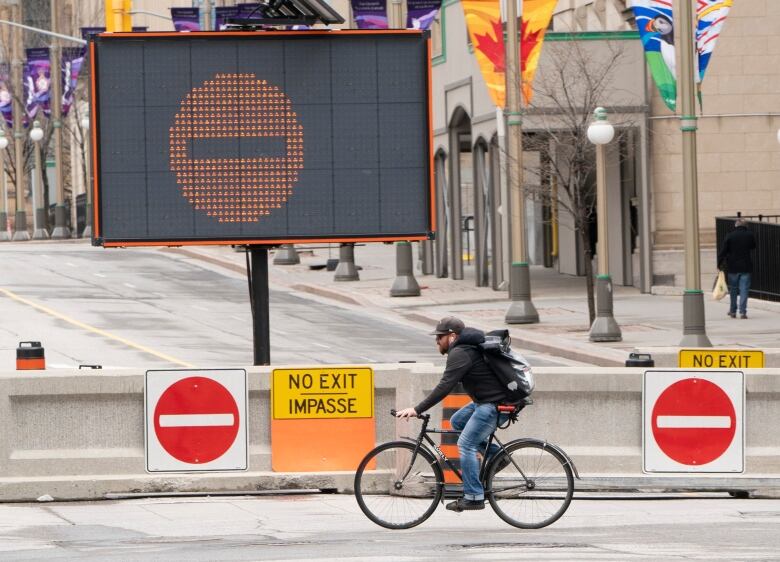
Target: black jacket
<point>465,364</point>
<point>735,253</point>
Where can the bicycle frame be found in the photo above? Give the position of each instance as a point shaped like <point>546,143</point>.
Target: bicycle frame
<point>424,436</point>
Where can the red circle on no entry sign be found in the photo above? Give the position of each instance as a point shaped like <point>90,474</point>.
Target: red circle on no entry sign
<point>196,420</point>
<point>694,421</point>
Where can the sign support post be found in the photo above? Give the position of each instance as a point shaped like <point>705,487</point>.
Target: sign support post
<point>257,275</point>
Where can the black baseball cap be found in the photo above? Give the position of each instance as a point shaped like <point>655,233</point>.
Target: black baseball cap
<point>448,325</point>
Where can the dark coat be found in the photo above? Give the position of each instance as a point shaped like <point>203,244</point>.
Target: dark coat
<point>734,256</point>
<point>465,364</point>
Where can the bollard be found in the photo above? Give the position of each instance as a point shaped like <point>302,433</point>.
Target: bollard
<point>346,270</point>
<point>426,257</point>
<point>405,285</point>
<point>286,254</point>
<point>640,360</point>
<point>30,357</point>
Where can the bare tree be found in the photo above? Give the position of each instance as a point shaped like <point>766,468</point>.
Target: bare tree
<point>571,84</point>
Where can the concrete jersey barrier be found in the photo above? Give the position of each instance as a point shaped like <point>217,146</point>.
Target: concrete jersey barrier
<point>80,435</point>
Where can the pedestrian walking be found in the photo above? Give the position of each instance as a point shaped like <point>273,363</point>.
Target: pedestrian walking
<point>734,258</point>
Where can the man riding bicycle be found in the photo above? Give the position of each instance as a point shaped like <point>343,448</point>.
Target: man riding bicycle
<point>478,419</point>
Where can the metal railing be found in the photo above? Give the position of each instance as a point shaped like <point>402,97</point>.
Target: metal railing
<point>765,282</point>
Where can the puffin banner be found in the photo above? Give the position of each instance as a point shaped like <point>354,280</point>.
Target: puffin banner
<point>656,30</point>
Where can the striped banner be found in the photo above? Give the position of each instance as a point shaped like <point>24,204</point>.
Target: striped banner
<point>710,17</point>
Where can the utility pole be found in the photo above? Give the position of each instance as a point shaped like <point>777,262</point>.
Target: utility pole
<point>20,223</point>
<point>521,309</point>
<point>395,15</point>
<point>206,15</point>
<point>60,215</point>
<point>694,333</point>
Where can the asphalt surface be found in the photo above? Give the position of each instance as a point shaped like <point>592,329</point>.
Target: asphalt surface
<point>152,308</point>
<point>331,527</point>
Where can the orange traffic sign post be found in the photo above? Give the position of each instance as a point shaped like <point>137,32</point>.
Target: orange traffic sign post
<point>322,418</point>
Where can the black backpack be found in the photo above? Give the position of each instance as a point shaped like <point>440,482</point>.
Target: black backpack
<point>508,366</point>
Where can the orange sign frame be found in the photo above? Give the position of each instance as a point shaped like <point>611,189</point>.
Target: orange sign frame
<point>94,118</point>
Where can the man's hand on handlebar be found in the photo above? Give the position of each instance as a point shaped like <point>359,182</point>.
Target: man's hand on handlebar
<point>406,413</point>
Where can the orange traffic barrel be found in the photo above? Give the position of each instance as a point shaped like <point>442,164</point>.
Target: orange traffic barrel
<point>29,356</point>
<point>449,442</point>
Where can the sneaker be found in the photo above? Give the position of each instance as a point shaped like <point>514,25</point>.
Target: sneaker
<point>462,504</point>
<point>732,314</point>
<point>743,316</point>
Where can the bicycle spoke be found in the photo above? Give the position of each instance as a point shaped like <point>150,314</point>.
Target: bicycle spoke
<point>535,489</point>
<point>396,488</point>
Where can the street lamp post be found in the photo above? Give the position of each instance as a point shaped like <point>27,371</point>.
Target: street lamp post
<point>20,221</point>
<point>604,328</point>
<point>39,219</point>
<point>61,229</point>
<point>521,308</point>
<point>87,183</point>
<point>694,332</point>
<point>4,235</point>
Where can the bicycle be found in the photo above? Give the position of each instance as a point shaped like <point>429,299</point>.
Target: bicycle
<point>528,482</point>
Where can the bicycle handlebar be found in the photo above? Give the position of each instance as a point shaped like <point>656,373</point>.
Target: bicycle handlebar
<point>394,413</point>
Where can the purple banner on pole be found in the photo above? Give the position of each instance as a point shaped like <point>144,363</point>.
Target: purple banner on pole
<point>37,82</point>
<point>222,14</point>
<point>186,19</point>
<point>72,60</point>
<point>370,14</point>
<point>6,99</point>
<point>421,13</point>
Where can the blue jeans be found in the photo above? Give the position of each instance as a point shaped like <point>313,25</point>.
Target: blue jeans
<point>475,422</point>
<point>739,283</point>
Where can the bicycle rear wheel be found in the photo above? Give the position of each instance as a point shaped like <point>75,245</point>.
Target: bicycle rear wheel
<point>398,487</point>
<point>534,489</point>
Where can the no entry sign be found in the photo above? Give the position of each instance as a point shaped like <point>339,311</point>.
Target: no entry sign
<point>693,421</point>
<point>196,420</point>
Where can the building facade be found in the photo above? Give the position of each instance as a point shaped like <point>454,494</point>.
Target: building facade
<point>738,153</point>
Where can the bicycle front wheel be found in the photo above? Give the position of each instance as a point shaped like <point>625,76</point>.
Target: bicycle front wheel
<point>534,489</point>
<point>398,485</point>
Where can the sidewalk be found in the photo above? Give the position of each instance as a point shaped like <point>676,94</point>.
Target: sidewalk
<point>649,322</point>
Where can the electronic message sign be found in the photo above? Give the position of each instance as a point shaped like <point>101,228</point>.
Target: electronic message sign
<point>261,137</point>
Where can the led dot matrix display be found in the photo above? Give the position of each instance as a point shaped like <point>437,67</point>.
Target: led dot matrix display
<point>236,189</point>
<point>261,137</point>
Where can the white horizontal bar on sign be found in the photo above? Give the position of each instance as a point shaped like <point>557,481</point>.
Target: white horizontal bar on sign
<point>196,420</point>
<point>683,422</point>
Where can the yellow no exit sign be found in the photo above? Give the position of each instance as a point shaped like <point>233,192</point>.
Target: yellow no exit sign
<point>721,359</point>
<point>321,393</point>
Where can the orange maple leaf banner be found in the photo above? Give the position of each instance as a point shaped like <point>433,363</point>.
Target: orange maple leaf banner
<point>536,18</point>
<point>483,20</point>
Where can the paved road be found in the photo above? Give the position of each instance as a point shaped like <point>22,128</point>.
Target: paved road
<point>330,527</point>
<point>154,309</point>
